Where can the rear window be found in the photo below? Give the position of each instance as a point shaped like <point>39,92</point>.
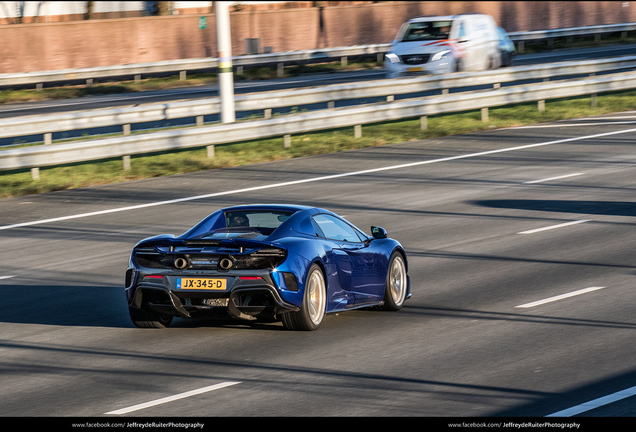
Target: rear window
<point>240,224</point>
<point>257,219</point>
<point>429,30</point>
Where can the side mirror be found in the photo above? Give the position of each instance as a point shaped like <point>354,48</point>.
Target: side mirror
<point>378,232</point>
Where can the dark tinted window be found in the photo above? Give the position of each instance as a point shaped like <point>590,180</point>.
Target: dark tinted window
<point>336,229</point>
<point>244,224</point>
<point>255,219</point>
<point>431,30</point>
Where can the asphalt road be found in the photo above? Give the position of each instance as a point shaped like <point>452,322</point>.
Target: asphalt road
<point>520,248</point>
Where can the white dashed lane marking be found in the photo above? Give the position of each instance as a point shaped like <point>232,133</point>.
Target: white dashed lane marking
<point>559,297</point>
<point>172,398</point>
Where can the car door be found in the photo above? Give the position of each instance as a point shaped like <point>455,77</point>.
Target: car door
<point>355,259</point>
<point>463,46</point>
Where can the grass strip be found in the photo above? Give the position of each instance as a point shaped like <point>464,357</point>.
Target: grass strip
<point>19,182</point>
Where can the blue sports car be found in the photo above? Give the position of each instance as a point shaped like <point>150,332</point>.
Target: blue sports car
<point>271,263</point>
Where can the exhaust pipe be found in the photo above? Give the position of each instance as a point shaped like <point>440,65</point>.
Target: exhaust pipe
<point>226,264</point>
<point>181,263</point>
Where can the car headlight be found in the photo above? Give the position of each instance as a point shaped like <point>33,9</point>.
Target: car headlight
<point>440,55</point>
<point>393,58</point>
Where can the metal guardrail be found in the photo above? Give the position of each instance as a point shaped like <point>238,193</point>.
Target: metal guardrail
<point>125,116</point>
<point>571,31</point>
<point>275,99</point>
<point>38,156</point>
<point>182,66</point>
<point>521,37</point>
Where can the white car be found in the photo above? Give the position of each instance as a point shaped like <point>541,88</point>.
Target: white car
<point>444,44</point>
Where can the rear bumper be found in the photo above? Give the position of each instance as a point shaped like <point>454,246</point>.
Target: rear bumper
<point>244,300</point>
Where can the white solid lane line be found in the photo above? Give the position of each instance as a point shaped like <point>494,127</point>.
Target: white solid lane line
<point>314,179</point>
<point>552,227</point>
<point>559,297</point>
<point>553,178</point>
<point>172,398</point>
<point>562,125</point>
<point>596,403</point>
<point>607,118</point>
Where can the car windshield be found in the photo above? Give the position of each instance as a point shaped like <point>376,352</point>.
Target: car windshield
<point>430,30</point>
<point>255,225</point>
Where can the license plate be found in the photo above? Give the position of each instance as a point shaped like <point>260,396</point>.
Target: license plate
<point>415,69</point>
<point>215,302</point>
<point>201,284</point>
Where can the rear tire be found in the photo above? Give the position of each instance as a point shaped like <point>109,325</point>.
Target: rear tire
<point>312,311</point>
<point>147,319</point>
<point>396,284</point>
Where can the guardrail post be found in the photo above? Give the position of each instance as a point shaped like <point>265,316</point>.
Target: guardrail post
<point>444,91</point>
<point>199,120</point>
<point>210,151</point>
<point>48,138</point>
<point>343,61</point>
<point>126,128</point>
<point>496,85</point>
<point>182,75</point>
<point>281,70</point>
<point>357,131</point>
<point>541,105</point>
<point>268,113</point>
<point>89,82</point>
<point>390,98</point>
<point>593,101</point>
<point>520,47</point>
<point>287,140</point>
<point>331,104</point>
<point>35,173</point>
<point>39,86</point>
<point>424,122</point>
<point>484,114</point>
<point>380,58</point>
<point>126,161</point>
<point>137,78</point>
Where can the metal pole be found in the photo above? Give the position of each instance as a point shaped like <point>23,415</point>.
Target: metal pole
<point>226,79</point>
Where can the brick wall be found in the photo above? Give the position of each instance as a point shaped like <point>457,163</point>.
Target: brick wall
<point>67,45</point>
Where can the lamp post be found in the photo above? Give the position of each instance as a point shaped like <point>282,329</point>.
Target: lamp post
<point>224,43</point>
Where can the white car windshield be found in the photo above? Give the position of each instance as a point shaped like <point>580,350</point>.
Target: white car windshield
<point>429,30</point>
